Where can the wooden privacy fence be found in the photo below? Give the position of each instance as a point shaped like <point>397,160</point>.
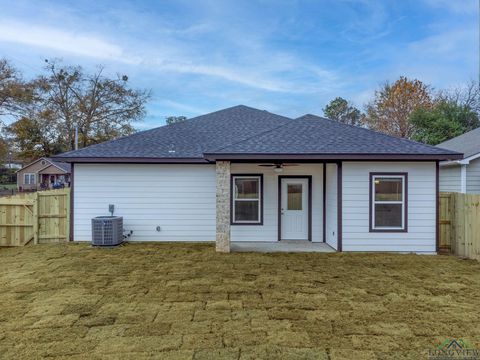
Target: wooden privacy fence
<point>41,217</point>
<point>460,224</point>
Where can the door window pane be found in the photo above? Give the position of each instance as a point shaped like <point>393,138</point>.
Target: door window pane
<point>388,215</point>
<point>388,189</point>
<point>246,210</point>
<point>294,196</point>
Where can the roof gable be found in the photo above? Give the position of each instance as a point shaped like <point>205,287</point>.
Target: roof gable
<point>47,162</point>
<point>64,167</point>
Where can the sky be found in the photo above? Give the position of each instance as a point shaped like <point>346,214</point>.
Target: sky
<point>285,56</point>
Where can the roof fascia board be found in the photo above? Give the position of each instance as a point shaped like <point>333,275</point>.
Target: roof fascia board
<point>215,157</point>
<point>136,160</point>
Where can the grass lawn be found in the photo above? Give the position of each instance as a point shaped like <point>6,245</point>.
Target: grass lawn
<point>184,301</point>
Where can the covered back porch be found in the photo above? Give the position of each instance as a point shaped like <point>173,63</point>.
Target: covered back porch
<point>278,206</point>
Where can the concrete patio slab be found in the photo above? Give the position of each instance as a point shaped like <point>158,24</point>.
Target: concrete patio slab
<point>280,246</point>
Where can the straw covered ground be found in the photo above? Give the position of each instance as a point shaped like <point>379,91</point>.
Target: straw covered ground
<point>184,301</point>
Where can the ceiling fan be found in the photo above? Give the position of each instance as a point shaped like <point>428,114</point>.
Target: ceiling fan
<point>277,167</point>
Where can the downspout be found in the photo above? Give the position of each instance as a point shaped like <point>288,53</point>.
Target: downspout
<point>463,178</point>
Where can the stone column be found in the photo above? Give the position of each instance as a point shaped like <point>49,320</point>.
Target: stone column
<point>223,206</point>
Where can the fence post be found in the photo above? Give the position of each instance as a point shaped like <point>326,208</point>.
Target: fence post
<point>36,219</point>
<point>67,209</point>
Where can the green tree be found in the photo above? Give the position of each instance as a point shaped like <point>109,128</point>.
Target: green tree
<point>389,112</point>
<point>342,111</point>
<point>174,119</point>
<point>445,120</point>
<point>36,136</point>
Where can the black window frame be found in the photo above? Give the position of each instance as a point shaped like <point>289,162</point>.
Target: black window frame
<point>260,212</point>
<point>372,229</point>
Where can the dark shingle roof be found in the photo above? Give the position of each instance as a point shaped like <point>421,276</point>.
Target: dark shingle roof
<point>188,139</point>
<point>468,143</point>
<point>243,130</point>
<point>311,134</point>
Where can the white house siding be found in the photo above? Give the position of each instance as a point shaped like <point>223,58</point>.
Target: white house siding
<point>178,198</point>
<point>421,235</point>
<point>473,177</point>
<point>331,206</point>
<point>269,230</point>
<point>450,178</point>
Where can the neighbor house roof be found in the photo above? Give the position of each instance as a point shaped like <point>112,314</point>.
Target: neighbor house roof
<point>62,166</point>
<point>468,143</point>
<point>244,132</point>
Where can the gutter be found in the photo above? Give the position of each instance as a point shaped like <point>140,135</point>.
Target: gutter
<point>464,161</point>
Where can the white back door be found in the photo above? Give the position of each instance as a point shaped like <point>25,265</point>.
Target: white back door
<point>294,209</point>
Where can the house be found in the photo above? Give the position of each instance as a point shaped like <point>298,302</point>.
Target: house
<point>43,173</point>
<point>247,175</point>
<point>462,175</point>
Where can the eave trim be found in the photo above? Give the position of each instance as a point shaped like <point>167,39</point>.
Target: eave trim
<point>132,160</point>
<point>344,157</point>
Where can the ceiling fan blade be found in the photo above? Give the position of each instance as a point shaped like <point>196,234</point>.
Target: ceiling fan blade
<point>289,164</point>
<point>267,165</point>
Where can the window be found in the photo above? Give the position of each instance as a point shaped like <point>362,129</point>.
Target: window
<point>388,199</point>
<point>247,199</point>
<point>29,179</point>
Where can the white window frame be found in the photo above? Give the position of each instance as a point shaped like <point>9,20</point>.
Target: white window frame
<point>403,227</point>
<point>235,200</point>
<point>29,177</point>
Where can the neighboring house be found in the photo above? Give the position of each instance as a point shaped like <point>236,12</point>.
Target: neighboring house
<point>462,175</point>
<point>243,174</point>
<point>44,173</point>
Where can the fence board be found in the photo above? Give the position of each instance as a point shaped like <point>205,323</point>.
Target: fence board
<point>446,221</point>
<point>460,224</point>
<point>42,217</point>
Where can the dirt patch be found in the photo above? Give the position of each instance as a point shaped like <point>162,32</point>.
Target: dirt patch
<point>184,301</point>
